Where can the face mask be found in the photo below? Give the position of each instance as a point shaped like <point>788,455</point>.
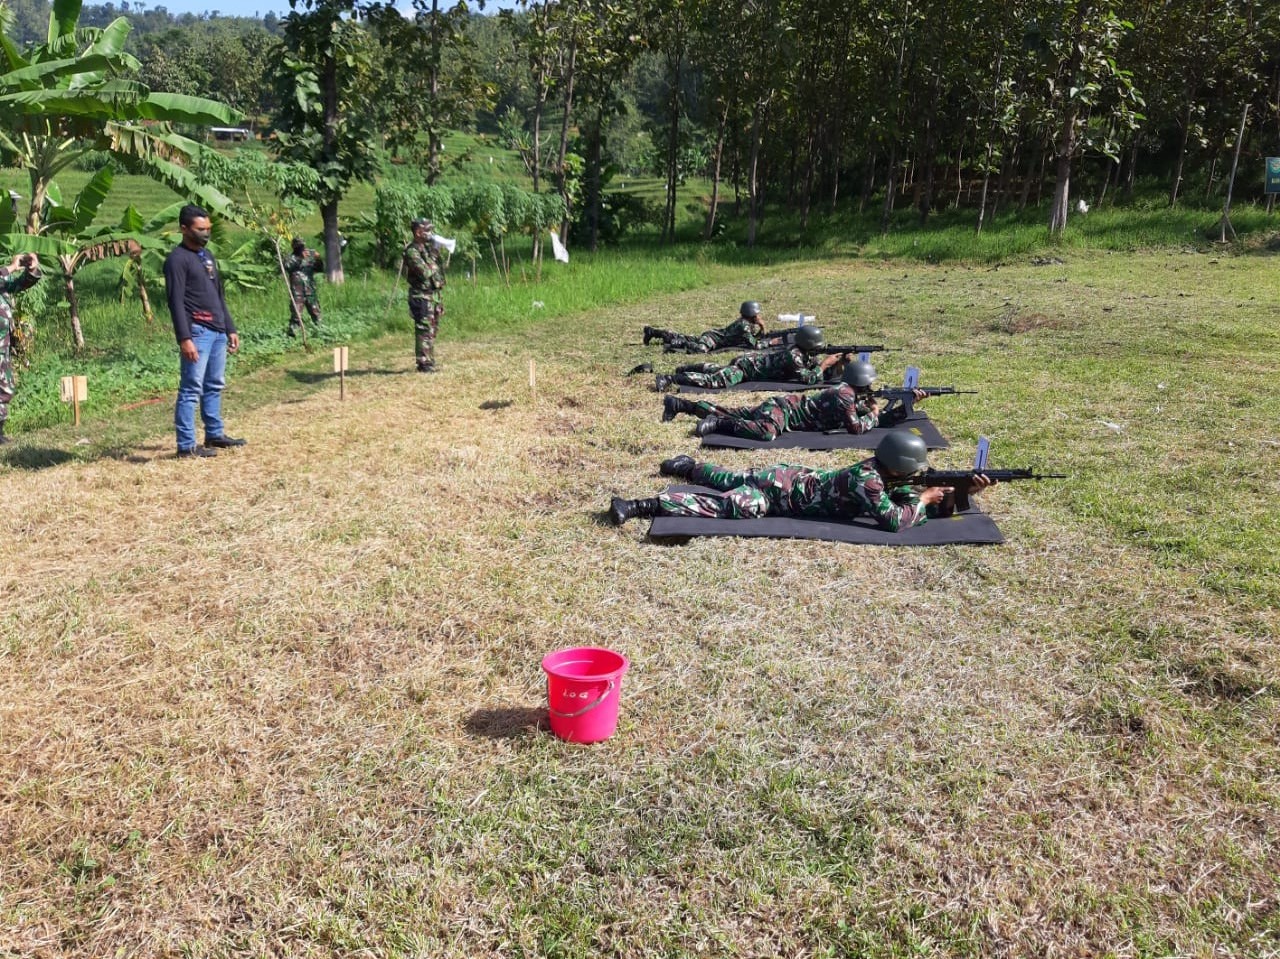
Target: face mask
<point>200,237</point>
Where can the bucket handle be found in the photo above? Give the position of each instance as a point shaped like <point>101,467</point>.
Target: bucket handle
<point>585,709</point>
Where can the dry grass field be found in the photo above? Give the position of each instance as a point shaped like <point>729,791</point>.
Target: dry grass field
<point>288,702</point>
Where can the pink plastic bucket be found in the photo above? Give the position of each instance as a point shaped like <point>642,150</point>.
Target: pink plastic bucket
<point>583,687</point>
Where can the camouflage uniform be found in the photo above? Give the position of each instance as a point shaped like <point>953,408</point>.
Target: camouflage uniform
<point>425,274</point>
<point>837,408</point>
<point>858,490</point>
<point>741,332</point>
<point>10,283</point>
<point>301,269</point>
<point>791,366</point>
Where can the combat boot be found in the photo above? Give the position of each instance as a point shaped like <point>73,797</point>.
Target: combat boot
<point>621,510</point>
<point>3,439</point>
<point>650,334</point>
<point>679,466</point>
<point>640,368</point>
<point>661,382</point>
<point>708,424</point>
<point>673,406</point>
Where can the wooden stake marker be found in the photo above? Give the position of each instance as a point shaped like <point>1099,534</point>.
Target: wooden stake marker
<point>75,390</point>
<point>340,367</point>
<point>533,382</point>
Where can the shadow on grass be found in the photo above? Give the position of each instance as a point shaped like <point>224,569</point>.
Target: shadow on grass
<point>496,404</point>
<point>35,457</point>
<point>512,722</point>
<point>312,378</point>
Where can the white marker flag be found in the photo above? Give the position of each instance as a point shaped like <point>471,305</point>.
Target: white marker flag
<point>557,248</point>
<point>445,243</point>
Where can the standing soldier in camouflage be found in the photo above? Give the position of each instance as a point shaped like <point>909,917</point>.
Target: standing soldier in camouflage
<point>302,268</point>
<point>425,274</point>
<point>796,364</point>
<point>747,331</point>
<point>879,487</point>
<point>851,406</point>
<point>21,274</point>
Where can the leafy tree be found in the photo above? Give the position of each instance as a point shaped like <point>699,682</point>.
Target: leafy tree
<point>431,83</point>
<point>325,78</point>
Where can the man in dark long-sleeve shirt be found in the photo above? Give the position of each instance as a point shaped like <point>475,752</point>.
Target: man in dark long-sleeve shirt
<point>205,333</point>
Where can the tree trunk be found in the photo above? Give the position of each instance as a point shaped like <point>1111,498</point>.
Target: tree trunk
<point>73,302</point>
<point>1061,193</point>
<point>540,72</point>
<point>673,143</point>
<point>594,185</point>
<point>332,242</point>
<point>753,187</point>
<point>1227,228</point>
<point>563,184</point>
<point>1132,173</point>
<point>807,192</point>
<point>1182,155</point>
<point>142,293</point>
<point>329,206</point>
<point>890,187</point>
<point>868,184</point>
<point>986,180</point>
<point>715,174</point>
<point>433,82</point>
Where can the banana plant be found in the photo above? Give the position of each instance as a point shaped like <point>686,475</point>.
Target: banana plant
<point>76,92</point>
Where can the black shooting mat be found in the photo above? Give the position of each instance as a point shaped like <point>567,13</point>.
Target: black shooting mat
<point>972,526</point>
<point>919,423</point>
<point>759,386</point>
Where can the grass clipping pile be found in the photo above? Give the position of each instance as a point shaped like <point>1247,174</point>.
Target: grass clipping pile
<point>287,702</point>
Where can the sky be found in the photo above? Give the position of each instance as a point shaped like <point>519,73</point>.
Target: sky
<point>260,8</point>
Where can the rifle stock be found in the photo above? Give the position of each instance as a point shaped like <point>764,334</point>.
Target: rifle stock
<point>961,481</point>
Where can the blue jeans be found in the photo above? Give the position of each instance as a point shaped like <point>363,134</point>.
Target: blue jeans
<point>201,381</point>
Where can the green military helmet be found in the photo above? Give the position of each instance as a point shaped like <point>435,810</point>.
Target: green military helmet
<point>809,338</point>
<point>750,309</point>
<point>859,374</point>
<point>903,453</point>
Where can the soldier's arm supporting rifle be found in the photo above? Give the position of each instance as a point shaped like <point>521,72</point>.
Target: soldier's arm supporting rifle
<point>963,481</point>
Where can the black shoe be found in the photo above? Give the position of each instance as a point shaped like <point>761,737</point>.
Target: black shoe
<point>426,369</point>
<point>679,466</point>
<point>222,442</point>
<point>291,332</point>
<point>661,382</point>
<point>621,510</point>
<point>642,368</point>
<point>671,408</point>
<point>196,452</point>
<point>708,424</point>
<point>3,439</point>
<point>649,334</point>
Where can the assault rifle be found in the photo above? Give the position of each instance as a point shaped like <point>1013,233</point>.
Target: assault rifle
<point>961,481</point>
<point>905,398</point>
<point>787,339</point>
